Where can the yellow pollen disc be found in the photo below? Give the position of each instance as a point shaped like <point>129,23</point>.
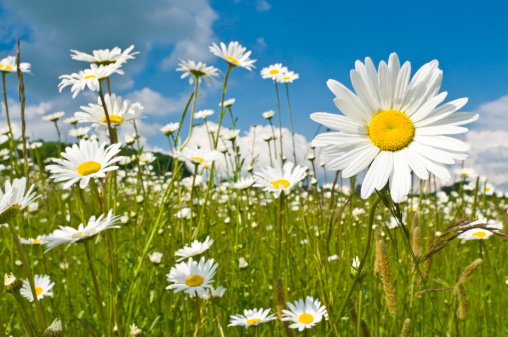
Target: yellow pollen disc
<point>5,66</point>
<point>38,291</point>
<point>286,78</point>
<point>113,119</point>
<point>464,174</point>
<point>194,281</point>
<point>88,167</point>
<point>273,72</point>
<point>284,183</point>
<point>198,159</point>
<point>480,234</point>
<point>89,76</point>
<point>253,321</point>
<point>305,318</point>
<point>391,130</point>
<point>36,241</point>
<point>232,59</point>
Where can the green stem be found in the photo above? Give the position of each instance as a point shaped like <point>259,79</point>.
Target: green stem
<point>291,125</point>
<point>216,142</point>
<point>280,124</point>
<point>96,288</point>
<point>103,101</point>
<point>192,115</point>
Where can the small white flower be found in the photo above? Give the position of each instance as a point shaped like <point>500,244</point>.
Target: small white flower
<point>234,54</point>
<point>268,114</point>
<point>196,248</point>
<point>155,257</point>
<point>242,263</point>
<point>191,276</point>
<point>252,317</point>
<point>305,314</point>
<point>54,116</point>
<point>42,286</point>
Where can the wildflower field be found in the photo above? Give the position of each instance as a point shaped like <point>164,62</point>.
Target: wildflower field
<point>387,237</point>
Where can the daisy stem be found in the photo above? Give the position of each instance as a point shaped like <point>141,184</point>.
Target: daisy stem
<point>38,307</point>
<point>192,197</point>
<point>270,152</point>
<point>278,114</point>
<point>11,138</point>
<point>96,288</point>
<point>59,139</point>
<point>359,319</point>
<point>291,124</point>
<point>372,212</point>
<point>217,318</point>
<point>27,324</point>
<point>216,142</point>
<point>191,126</point>
<point>103,101</point>
<point>198,332</point>
<point>97,194</point>
<point>281,220</point>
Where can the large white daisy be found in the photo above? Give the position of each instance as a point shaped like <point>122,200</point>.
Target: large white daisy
<point>304,314</point>
<point>191,276</point>
<point>120,111</point>
<point>105,56</point>
<point>234,54</point>
<point>394,125</point>
<point>277,179</point>
<point>252,317</point>
<point>83,162</point>
<point>42,285</point>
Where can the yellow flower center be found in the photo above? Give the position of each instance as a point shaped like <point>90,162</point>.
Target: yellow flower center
<point>232,59</point>
<point>88,168</point>
<point>480,235</point>
<point>89,76</point>
<point>284,183</point>
<point>391,130</point>
<point>305,318</point>
<point>194,281</point>
<point>273,72</point>
<point>38,291</point>
<point>464,174</point>
<point>37,241</point>
<point>113,119</point>
<point>286,78</point>
<point>253,321</point>
<point>198,159</point>
<point>5,66</point>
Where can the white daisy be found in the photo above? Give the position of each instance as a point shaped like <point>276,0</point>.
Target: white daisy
<point>191,276</point>
<point>204,113</point>
<point>80,133</point>
<point>252,317</point>
<point>8,65</point>
<point>230,134</point>
<point>197,71</point>
<point>196,248</point>
<point>83,162</point>
<point>168,129</point>
<point>105,56</point>
<point>197,156</point>
<point>268,114</point>
<point>54,116</point>
<point>146,158</point>
<point>465,172</point>
<point>279,179</point>
<point>15,197</point>
<point>305,314</point>
<point>42,285</point>
<point>393,125</point>
<point>228,103</point>
<point>119,111</point>
<point>217,292</point>
<point>71,120</point>
<point>287,77</point>
<point>155,257</point>
<point>475,234</point>
<point>234,54</point>
<point>39,240</point>
<point>273,71</point>
<point>67,234</point>
<point>244,183</point>
<point>88,78</point>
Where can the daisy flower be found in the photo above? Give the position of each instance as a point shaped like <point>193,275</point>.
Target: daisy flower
<point>392,126</point>
<point>277,180</point>
<point>120,111</point>
<point>42,285</point>
<point>71,120</point>
<point>228,103</point>
<point>8,65</point>
<point>196,248</point>
<point>155,257</point>
<point>252,317</point>
<point>468,173</point>
<point>217,292</point>
<point>197,71</point>
<point>83,162</point>
<point>88,78</point>
<point>244,183</point>
<point>55,329</point>
<point>168,129</point>
<point>105,56</point>
<point>234,54</point>
<point>203,113</point>
<point>67,234</point>
<point>40,240</point>
<point>268,114</point>
<point>304,314</point>
<point>15,198</point>
<point>80,133</point>
<point>54,116</point>
<point>287,77</point>
<point>191,276</point>
<point>475,234</point>
<point>230,134</point>
<point>197,155</point>
<point>274,71</point>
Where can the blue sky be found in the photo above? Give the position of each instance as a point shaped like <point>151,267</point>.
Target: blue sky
<point>318,40</point>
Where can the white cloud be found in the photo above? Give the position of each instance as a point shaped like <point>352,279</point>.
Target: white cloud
<point>157,104</point>
<point>493,115</point>
<point>263,6</point>
<point>261,42</point>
